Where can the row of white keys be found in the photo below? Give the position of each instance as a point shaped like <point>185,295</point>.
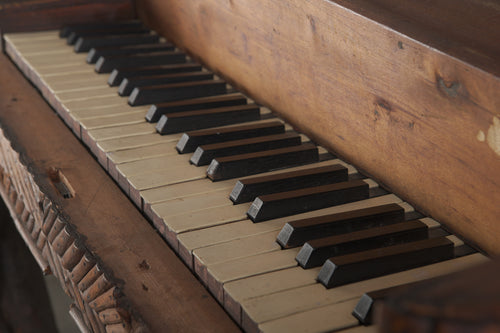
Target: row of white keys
<point>292,310</point>
<point>201,214</point>
<point>257,252</point>
<point>207,237</point>
<point>252,243</point>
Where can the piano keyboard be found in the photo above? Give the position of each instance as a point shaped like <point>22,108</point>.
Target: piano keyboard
<point>234,191</point>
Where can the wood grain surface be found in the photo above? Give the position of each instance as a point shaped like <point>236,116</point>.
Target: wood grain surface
<point>464,302</point>
<point>406,91</point>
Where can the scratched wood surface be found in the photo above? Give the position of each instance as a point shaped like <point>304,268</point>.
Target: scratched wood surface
<point>31,15</point>
<point>406,91</point>
<point>129,252</point>
<point>433,306</point>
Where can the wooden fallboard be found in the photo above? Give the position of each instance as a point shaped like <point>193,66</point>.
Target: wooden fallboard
<point>410,94</point>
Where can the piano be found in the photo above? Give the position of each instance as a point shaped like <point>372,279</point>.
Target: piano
<point>254,165</point>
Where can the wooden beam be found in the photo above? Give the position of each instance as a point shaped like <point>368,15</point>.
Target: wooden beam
<point>407,91</point>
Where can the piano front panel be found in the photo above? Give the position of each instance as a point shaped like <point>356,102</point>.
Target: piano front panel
<point>386,85</point>
<point>212,236</point>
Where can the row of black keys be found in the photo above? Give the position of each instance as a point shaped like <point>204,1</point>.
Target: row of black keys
<point>351,246</point>
<point>151,72</point>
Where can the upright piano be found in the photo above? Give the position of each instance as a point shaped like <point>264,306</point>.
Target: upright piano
<point>257,165</point>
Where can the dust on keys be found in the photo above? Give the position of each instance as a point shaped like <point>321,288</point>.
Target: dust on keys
<point>272,198</point>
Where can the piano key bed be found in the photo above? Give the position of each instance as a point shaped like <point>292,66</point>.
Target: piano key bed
<point>286,236</point>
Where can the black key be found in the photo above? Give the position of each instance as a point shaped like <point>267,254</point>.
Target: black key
<point>315,252</point>
<point>176,92</point>
<point>84,44</point>
<point>359,266</point>
<point>104,51</point>
<point>191,140</point>
<point>248,189</point>
<point>107,64</point>
<point>296,233</point>
<point>67,30</point>
<point>363,309</point>
<point>191,120</point>
<point>128,85</point>
<point>118,74</point>
<point>210,102</point>
<point>206,153</point>
<point>250,164</point>
<point>73,36</point>
<point>270,206</point>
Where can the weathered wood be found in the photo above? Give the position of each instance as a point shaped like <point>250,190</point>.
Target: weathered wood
<point>100,285</point>
<point>112,228</point>
<point>62,241</point>
<point>466,302</point>
<point>363,311</point>
<point>405,91</point>
<point>18,15</point>
<point>105,300</point>
<point>110,316</point>
<point>82,267</point>
<point>72,255</point>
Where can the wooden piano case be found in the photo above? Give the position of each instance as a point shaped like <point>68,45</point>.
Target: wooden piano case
<point>388,85</point>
